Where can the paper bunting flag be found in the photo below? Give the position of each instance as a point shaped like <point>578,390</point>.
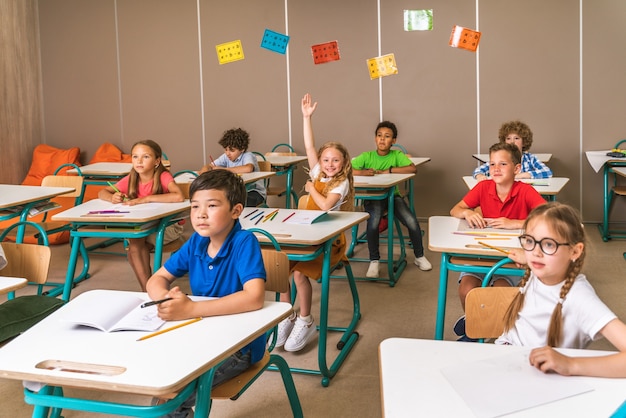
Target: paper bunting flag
<point>382,66</point>
<point>326,52</point>
<point>229,52</point>
<point>274,41</point>
<point>418,20</point>
<point>464,38</point>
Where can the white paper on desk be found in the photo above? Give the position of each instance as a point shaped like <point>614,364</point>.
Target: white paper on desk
<point>141,206</point>
<point>113,312</point>
<point>505,384</point>
<point>306,217</point>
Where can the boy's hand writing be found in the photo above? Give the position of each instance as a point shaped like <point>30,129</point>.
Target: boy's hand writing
<point>180,307</point>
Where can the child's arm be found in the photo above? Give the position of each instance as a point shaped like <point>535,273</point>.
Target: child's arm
<point>547,359</point>
<point>323,202</point>
<point>481,172</point>
<point>474,218</point>
<point>111,195</point>
<point>181,306</point>
<point>308,109</point>
<point>533,168</point>
<point>173,196</point>
<point>364,172</point>
<point>505,223</point>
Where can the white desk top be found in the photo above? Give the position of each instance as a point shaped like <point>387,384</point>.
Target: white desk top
<point>313,234</point>
<point>285,160</point>
<point>412,382</point>
<point>549,186</point>
<point>9,284</point>
<point>143,366</point>
<point>104,169</point>
<point>246,177</point>
<point>138,213</point>
<point>17,194</point>
<point>543,157</point>
<point>381,181</point>
<point>597,159</point>
<point>450,234</point>
<point>419,160</point>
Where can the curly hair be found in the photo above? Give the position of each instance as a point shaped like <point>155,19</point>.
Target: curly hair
<point>519,128</point>
<point>133,176</point>
<point>566,223</point>
<point>236,139</point>
<point>345,173</point>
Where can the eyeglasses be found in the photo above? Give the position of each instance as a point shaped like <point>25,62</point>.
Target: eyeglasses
<point>547,245</point>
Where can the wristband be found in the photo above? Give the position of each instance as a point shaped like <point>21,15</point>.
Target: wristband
<point>389,170</point>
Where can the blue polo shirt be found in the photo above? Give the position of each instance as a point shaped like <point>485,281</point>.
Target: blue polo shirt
<point>238,260</point>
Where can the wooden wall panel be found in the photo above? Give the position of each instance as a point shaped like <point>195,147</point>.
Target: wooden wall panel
<point>20,88</point>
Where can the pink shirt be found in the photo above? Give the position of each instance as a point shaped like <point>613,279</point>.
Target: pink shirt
<point>146,189</point>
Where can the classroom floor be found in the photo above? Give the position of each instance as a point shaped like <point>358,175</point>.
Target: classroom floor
<point>406,310</point>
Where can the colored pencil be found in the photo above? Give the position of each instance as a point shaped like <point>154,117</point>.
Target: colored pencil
<point>154,334</point>
<point>502,250</point>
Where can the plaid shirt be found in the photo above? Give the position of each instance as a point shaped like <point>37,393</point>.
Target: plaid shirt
<point>530,164</point>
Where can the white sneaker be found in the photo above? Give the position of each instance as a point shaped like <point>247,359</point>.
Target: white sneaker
<point>302,333</point>
<point>284,329</point>
<point>423,264</point>
<point>372,270</point>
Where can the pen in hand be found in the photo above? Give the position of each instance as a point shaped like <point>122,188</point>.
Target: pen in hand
<point>116,190</point>
<point>155,302</point>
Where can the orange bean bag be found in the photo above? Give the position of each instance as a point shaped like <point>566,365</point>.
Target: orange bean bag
<point>107,153</point>
<point>46,159</point>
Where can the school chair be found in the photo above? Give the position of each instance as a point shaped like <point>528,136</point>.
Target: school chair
<point>32,262</point>
<point>276,266</point>
<point>281,149</point>
<point>486,306</point>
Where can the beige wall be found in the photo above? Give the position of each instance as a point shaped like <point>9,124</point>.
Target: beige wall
<point>123,70</point>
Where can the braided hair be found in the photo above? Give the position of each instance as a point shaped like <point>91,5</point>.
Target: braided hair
<point>566,223</point>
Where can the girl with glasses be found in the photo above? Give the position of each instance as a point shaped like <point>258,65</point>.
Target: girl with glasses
<point>556,306</point>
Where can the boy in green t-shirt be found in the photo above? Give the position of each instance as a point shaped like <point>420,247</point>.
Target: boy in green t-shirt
<point>386,160</point>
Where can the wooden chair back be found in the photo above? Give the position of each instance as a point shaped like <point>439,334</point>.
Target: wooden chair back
<point>265,165</point>
<point>184,187</point>
<point>485,308</point>
<point>29,261</point>
<point>277,271</point>
<point>303,201</point>
<point>65,181</point>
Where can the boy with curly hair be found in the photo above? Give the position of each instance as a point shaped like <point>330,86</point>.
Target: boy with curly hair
<point>237,159</point>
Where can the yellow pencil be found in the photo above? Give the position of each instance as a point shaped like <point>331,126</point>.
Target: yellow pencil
<point>154,334</point>
<point>269,215</point>
<point>502,250</point>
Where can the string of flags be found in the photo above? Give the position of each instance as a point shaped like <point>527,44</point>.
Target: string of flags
<point>382,66</point>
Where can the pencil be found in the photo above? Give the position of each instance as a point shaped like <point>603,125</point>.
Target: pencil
<point>256,210</point>
<point>154,334</point>
<point>212,160</point>
<point>257,215</point>
<point>154,302</point>
<point>502,250</point>
<point>292,213</point>
<point>492,238</point>
<point>113,187</point>
<point>269,215</point>
<point>471,234</point>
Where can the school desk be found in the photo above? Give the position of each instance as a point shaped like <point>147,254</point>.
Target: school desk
<point>16,200</point>
<point>246,177</point>
<point>543,157</point>
<point>140,221</point>
<point>548,188</point>
<point>381,187</point>
<point>59,354</point>
<point>415,381</point>
<point>598,160</point>
<point>285,165</point>
<point>303,242</point>
<point>459,245</point>
<point>11,284</point>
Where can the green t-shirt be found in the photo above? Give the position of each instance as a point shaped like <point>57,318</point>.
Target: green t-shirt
<point>371,159</point>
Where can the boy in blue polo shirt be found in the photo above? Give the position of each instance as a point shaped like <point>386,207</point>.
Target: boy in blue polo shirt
<point>213,259</point>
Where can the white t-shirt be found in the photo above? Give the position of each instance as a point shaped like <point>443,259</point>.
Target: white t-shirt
<point>341,189</point>
<point>584,315</point>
